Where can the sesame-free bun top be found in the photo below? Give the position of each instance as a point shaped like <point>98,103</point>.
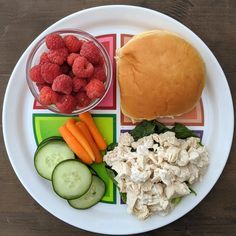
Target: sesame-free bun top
<point>160,74</point>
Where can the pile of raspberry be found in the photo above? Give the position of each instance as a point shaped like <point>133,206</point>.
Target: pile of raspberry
<point>71,74</point>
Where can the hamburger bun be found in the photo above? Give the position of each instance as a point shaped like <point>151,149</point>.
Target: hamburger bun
<point>160,74</point>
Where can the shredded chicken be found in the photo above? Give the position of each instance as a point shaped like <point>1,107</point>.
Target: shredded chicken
<point>155,169</point>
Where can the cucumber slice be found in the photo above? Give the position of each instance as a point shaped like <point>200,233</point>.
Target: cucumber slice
<point>92,196</point>
<point>71,179</point>
<point>49,154</point>
<point>49,139</point>
<point>92,170</point>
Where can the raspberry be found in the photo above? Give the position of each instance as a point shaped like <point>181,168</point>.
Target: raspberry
<point>43,58</point>
<point>50,71</point>
<point>82,99</point>
<point>71,58</point>
<point>99,73</point>
<point>58,56</point>
<point>101,61</point>
<point>40,86</point>
<point>65,69</point>
<point>35,74</point>
<point>78,83</point>
<point>71,74</point>
<point>91,52</point>
<point>72,43</point>
<point>47,96</point>
<point>66,104</point>
<point>54,41</point>
<point>63,84</point>
<point>95,89</point>
<point>82,67</point>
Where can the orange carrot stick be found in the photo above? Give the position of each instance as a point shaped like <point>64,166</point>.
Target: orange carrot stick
<point>76,132</point>
<point>83,127</point>
<point>88,120</point>
<point>75,145</point>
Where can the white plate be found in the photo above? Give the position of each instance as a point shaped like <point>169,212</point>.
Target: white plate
<point>108,218</point>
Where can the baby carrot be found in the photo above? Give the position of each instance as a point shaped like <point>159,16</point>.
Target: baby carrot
<point>76,132</point>
<point>75,145</point>
<point>88,120</point>
<point>83,127</point>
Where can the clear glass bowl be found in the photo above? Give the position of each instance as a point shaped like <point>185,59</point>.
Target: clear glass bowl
<point>41,47</point>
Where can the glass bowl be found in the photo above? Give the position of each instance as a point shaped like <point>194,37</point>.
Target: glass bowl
<point>40,47</point>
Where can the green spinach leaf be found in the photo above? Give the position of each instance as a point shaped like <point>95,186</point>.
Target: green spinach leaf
<point>123,197</point>
<point>159,127</point>
<point>143,129</point>
<point>112,174</point>
<point>146,128</point>
<point>111,146</point>
<point>182,132</point>
<point>192,191</point>
<point>176,200</point>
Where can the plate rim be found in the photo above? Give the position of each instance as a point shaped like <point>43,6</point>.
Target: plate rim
<point>9,85</point>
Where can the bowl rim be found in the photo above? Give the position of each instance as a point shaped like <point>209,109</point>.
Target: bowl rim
<point>84,35</point>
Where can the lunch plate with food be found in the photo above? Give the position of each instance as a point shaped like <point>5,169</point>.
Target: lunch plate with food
<point>118,119</point>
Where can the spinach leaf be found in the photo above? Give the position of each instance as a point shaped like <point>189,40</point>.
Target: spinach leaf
<point>192,191</point>
<point>159,127</point>
<point>112,174</point>
<point>182,132</point>
<point>146,128</point>
<point>123,197</point>
<point>143,129</point>
<point>111,146</point>
<point>176,200</point>
<point>190,188</point>
<point>133,150</point>
<point>200,144</point>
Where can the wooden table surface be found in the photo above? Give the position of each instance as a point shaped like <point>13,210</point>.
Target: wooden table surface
<point>21,21</point>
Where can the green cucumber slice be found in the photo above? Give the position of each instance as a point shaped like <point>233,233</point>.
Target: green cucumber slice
<point>71,179</point>
<point>49,154</point>
<point>49,139</point>
<point>92,196</point>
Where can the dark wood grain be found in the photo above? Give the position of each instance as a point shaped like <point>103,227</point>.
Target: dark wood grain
<point>22,21</point>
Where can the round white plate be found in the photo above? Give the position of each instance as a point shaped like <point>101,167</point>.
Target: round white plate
<point>108,218</point>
